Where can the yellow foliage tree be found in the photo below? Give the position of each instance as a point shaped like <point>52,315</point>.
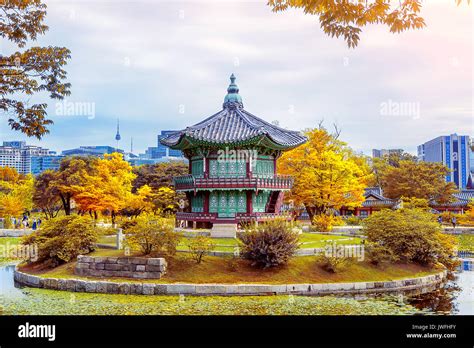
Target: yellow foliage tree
<point>107,187</point>
<point>16,195</point>
<point>328,174</point>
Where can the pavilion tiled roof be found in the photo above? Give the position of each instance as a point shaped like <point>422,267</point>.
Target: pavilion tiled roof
<point>234,125</point>
<point>462,199</point>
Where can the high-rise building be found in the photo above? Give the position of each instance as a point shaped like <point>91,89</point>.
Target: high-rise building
<point>451,150</point>
<point>165,151</point>
<point>41,163</point>
<point>379,153</point>
<point>91,151</point>
<point>18,155</point>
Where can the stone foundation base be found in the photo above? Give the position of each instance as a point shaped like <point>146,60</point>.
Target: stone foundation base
<point>224,231</point>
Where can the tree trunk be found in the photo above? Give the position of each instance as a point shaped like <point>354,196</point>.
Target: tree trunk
<point>66,200</point>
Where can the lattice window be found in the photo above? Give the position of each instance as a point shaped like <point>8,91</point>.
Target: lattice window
<point>197,168</point>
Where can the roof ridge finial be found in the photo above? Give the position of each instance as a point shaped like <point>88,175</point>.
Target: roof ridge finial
<point>233,96</point>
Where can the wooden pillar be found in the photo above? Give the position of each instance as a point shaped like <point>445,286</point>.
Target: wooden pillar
<point>249,202</point>
<point>207,166</point>
<point>206,202</point>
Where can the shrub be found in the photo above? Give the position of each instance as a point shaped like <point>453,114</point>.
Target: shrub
<point>353,220</point>
<point>199,246</point>
<point>270,244</point>
<point>325,223</point>
<point>378,254</point>
<point>62,239</point>
<point>412,235</point>
<point>152,234</point>
<point>333,264</point>
<point>232,263</point>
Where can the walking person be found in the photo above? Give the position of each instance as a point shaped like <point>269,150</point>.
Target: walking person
<point>454,221</point>
<point>33,227</point>
<point>440,220</point>
<point>38,223</point>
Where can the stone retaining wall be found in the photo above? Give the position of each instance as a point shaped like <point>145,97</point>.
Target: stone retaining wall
<point>14,232</point>
<point>130,267</point>
<point>108,287</point>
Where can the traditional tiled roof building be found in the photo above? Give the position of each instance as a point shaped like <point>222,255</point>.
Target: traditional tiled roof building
<point>232,167</point>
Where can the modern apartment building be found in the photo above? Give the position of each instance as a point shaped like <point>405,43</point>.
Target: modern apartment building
<point>18,155</point>
<point>451,150</point>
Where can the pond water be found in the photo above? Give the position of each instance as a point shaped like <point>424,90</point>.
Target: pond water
<point>454,297</point>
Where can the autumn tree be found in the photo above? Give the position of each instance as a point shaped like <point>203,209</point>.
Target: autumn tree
<point>344,18</point>
<point>159,174</point>
<point>68,181</point>
<point>16,195</point>
<point>106,186</point>
<point>380,165</point>
<point>46,195</point>
<point>29,72</point>
<point>159,177</point>
<point>327,173</point>
<point>425,180</point>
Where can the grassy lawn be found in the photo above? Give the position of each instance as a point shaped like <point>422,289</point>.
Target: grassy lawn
<point>465,242</point>
<point>308,240</point>
<point>182,269</point>
<point>5,243</point>
<point>311,240</point>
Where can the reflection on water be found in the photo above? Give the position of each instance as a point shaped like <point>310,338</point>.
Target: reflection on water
<point>7,285</point>
<point>454,297</point>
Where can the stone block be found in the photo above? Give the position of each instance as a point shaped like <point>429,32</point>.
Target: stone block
<point>156,261</point>
<point>370,285</point>
<point>124,288</point>
<point>53,284</point>
<point>82,265</point>
<point>389,285</point>
<point>80,286</point>
<point>112,288</point>
<point>71,285</point>
<point>153,268</point>
<point>160,289</point>
<point>181,289</point>
<point>360,286</point>
<point>141,268</point>
<point>148,289</point>
<point>138,261</point>
<point>91,287</point>
<point>33,280</point>
<point>113,267</point>
<point>124,260</point>
<point>99,266</point>
<point>210,289</point>
<point>136,289</point>
<point>87,259</point>
<point>298,288</point>
<point>101,287</point>
<point>112,260</point>
<point>100,259</point>
<point>62,284</point>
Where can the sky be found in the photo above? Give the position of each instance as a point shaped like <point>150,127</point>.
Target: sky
<point>159,65</point>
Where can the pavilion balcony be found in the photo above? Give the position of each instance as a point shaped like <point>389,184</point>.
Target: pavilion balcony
<point>239,217</point>
<point>196,216</point>
<point>191,183</point>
